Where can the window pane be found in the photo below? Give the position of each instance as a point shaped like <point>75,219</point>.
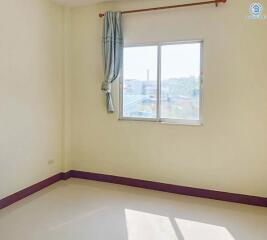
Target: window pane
<point>180,81</point>
<point>140,82</point>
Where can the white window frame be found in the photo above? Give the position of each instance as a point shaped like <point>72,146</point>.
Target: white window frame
<point>158,118</point>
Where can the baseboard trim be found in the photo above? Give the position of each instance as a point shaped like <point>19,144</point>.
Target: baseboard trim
<point>5,202</point>
<point>170,188</point>
<point>163,187</point>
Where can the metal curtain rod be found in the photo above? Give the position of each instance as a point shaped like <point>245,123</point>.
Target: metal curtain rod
<point>216,2</point>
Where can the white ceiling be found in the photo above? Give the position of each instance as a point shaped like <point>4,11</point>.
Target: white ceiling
<point>79,2</point>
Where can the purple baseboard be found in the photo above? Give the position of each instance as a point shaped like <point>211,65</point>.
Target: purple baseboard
<point>189,191</point>
<point>163,187</point>
<point>66,175</point>
<point>29,190</point>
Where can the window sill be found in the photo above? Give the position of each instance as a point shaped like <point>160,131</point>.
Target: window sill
<point>165,121</point>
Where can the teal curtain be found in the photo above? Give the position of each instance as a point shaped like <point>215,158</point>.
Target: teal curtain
<point>112,53</point>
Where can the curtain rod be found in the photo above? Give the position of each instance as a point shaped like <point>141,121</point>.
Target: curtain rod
<point>169,7</point>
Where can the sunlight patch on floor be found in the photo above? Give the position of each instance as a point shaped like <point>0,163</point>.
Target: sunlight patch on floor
<point>143,226</point>
<point>192,230</point>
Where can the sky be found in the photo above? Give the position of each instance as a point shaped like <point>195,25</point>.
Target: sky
<point>181,60</point>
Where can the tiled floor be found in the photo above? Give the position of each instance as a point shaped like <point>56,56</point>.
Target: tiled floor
<point>87,210</point>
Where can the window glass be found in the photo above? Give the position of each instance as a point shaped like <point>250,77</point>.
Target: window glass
<point>140,82</point>
<point>178,85</point>
<point>180,81</point>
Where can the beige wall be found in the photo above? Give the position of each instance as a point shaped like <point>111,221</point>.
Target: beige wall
<point>31,94</point>
<point>51,106</point>
<point>229,152</point>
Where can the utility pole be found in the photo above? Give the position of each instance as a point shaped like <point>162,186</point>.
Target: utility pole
<point>148,74</point>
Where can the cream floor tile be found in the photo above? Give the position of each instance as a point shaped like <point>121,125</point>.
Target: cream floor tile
<point>85,210</point>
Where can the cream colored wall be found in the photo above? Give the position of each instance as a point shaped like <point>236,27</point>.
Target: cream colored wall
<point>51,106</point>
<point>67,71</point>
<point>31,93</point>
<point>229,151</point>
